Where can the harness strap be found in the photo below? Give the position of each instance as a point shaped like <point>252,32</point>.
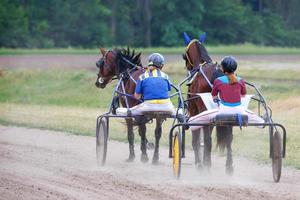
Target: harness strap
<point>199,69</point>
<point>192,79</point>
<point>203,74</point>
<point>240,120</point>
<point>130,70</point>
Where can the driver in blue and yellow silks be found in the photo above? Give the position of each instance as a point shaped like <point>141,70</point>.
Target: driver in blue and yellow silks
<point>154,86</point>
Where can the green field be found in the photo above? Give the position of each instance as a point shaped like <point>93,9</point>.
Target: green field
<point>242,49</point>
<point>67,100</point>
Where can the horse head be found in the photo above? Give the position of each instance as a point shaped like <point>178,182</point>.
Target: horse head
<point>195,53</point>
<point>114,62</point>
<point>107,66</point>
<point>197,61</point>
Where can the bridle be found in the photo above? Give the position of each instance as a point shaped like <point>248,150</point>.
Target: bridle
<point>196,69</point>
<point>103,61</point>
<point>188,58</point>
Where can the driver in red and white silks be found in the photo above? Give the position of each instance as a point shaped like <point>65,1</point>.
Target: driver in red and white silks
<point>230,89</point>
<point>154,86</point>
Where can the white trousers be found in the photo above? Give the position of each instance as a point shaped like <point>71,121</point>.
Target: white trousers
<point>146,107</point>
<point>207,115</point>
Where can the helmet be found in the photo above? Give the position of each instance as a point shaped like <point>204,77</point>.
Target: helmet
<point>229,64</point>
<point>156,59</point>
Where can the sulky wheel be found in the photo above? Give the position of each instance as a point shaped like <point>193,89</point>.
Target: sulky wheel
<point>177,154</point>
<point>277,156</point>
<point>101,141</point>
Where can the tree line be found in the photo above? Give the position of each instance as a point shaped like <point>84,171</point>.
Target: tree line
<point>143,23</point>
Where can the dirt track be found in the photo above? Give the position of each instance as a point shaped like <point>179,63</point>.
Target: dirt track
<point>40,164</point>
<point>88,61</point>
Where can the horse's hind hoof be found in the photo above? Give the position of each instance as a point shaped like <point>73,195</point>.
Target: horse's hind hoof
<point>207,164</point>
<point>144,158</point>
<point>199,166</point>
<point>229,170</point>
<point>155,162</point>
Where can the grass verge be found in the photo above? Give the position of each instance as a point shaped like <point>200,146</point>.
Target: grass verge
<point>239,49</point>
<point>250,142</point>
<point>68,101</point>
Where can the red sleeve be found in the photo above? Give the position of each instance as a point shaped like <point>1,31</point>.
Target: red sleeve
<point>243,87</point>
<point>215,89</point>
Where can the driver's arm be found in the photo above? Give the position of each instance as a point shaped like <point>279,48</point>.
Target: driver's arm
<point>138,89</point>
<point>137,95</point>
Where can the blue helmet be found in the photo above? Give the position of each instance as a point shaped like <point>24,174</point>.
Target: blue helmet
<point>156,59</point>
<point>229,64</point>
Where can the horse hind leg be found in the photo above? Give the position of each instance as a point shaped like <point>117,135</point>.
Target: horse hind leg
<point>229,160</point>
<point>224,140</point>
<point>142,133</point>
<point>158,131</point>
<point>207,147</point>
<point>130,137</point>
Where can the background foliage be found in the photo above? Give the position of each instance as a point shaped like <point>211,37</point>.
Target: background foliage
<point>142,23</point>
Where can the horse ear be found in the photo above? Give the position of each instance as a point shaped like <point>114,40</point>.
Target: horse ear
<point>202,37</point>
<point>186,38</point>
<point>102,51</point>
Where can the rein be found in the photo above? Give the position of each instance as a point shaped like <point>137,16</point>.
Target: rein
<point>203,74</point>
<point>196,69</point>
<point>125,73</point>
<point>199,69</point>
<point>128,72</point>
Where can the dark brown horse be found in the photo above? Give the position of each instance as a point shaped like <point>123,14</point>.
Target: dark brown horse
<point>199,63</point>
<point>121,63</point>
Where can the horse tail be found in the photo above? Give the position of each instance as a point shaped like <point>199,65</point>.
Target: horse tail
<point>224,136</point>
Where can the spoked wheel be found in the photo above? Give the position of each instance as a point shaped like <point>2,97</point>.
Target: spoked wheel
<point>101,141</point>
<point>177,154</point>
<point>277,156</point>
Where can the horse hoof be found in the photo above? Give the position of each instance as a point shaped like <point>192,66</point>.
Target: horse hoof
<point>229,170</point>
<point>131,158</point>
<point>155,162</point>
<point>207,165</point>
<point>199,166</point>
<point>144,158</point>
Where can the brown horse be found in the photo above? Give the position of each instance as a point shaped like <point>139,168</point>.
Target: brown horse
<point>199,63</point>
<point>121,63</point>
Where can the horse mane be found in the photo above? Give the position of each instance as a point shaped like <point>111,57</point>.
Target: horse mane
<point>123,54</point>
<point>203,52</point>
